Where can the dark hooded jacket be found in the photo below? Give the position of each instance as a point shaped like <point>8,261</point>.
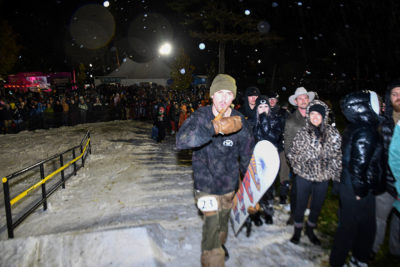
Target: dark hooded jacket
<point>387,128</point>
<point>280,114</point>
<point>362,148</point>
<point>249,114</point>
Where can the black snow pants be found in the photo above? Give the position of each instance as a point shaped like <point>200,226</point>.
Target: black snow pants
<point>356,228</point>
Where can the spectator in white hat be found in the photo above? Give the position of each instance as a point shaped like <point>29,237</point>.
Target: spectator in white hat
<point>295,121</point>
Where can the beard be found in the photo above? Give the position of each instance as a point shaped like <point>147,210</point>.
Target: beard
<point>396,106</point>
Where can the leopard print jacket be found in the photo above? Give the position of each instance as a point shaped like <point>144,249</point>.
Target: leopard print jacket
<point>313,160</point>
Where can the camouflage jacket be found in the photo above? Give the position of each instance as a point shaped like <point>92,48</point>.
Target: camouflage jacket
<point>217,160</point>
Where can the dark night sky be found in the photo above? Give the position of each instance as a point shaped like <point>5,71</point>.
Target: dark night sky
<point>324,39</point>
<point>44,28</point>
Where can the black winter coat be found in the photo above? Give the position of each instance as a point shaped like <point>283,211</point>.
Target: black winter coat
<point>270,128</point>
<point>249,114</point>
<point>216,159</point>
<point>280,114</point>
<point>362,145</point>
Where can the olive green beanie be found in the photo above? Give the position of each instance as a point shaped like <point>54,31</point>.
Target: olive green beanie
<point>223,82</point>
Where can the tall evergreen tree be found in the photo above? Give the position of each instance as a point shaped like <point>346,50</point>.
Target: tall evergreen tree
<point>81,76</point>
<point>9,48</point>
<point>181,71</point>
<point>222,22</point>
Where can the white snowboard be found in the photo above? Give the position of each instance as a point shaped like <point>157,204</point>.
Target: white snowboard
<point>260,175</point>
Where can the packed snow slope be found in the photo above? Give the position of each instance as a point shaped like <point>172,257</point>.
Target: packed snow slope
<point>130,205</point>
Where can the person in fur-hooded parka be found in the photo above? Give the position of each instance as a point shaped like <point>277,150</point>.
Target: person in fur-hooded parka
<point>312,143</point>
<point>316,157</point>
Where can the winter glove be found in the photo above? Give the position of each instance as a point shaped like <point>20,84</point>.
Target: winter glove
<point>226,125</point>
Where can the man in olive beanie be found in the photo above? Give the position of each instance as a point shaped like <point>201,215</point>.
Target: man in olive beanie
<point>223,81</point>
<point>222,144</point>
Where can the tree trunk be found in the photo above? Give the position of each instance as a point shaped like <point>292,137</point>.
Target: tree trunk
<point>357,73</point>
<point>221,55</point>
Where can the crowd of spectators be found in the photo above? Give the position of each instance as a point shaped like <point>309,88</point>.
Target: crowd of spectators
<point>21,111</point>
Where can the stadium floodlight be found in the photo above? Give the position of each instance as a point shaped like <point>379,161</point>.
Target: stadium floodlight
<point>165,49</point>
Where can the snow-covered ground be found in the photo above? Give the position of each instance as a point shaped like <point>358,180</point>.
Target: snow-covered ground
<point>131,205</point>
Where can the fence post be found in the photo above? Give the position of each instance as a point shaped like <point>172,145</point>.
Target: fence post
<point>43,187</point>
<point>83,158</point>
<point>62,172</point>
<point>73,157</point>
<point>90,144</point>
<point>7,205</point>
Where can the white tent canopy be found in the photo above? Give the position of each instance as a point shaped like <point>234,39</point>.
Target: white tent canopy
<point>131,72</point>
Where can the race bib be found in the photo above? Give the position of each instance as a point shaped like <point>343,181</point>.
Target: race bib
<point>207,203</point>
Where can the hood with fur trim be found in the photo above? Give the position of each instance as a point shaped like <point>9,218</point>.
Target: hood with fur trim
<point>319,102</point>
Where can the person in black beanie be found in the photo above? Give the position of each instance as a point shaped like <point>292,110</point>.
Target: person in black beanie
<point>388,194</point>
<point>316,157</point>
<point>248,109</point>
<point>268,127</point>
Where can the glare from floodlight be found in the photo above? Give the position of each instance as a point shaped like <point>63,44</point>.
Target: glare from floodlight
<point>106,4</point>
<point>182,71</point>
<point>165,49</point>
<point>202,46</point>
<point>247,12</point>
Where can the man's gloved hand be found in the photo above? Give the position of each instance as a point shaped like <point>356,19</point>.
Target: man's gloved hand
<point>226,125</point>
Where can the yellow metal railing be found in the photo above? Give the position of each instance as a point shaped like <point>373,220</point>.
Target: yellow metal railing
<point>48,177</point>
<point>11,224</point>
